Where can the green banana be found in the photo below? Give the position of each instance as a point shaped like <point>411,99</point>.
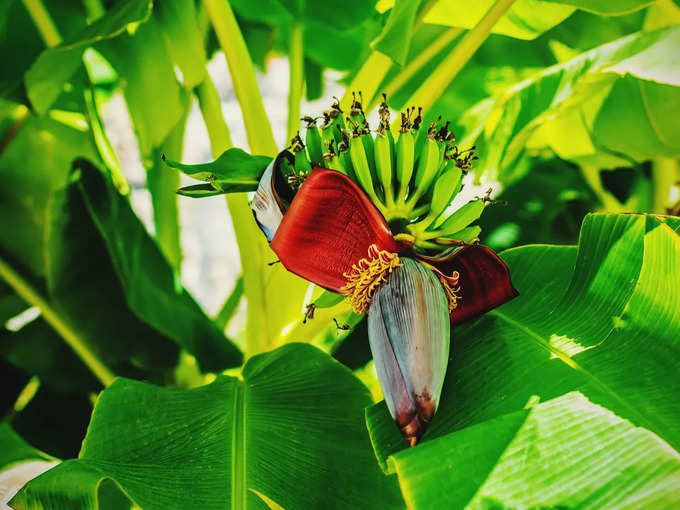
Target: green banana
<point>446,187</point>
<point>313,141</point>
<point>383,165</point>
<point>301,164</point>
<point>458,220</point>
<point>465,235</point>
<point>343,154</point>
<point>331,159</point>
<point>369,148</point>
<point>405,157</point>
<point>428,166</point>
<point>361,168</point>
<point>356,109</point>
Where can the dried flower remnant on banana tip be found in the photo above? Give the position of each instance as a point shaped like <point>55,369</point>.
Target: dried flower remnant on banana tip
<point>365,214</point>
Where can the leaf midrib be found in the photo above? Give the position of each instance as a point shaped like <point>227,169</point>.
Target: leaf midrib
<point>238,448</point>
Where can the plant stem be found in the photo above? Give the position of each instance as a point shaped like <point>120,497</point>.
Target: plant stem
<point>449,68</point>
<point>94,9</point>
<point>374,70</point>
<point>253,251</point>
<point>665,173</point>
<point>28,294</point>
<point>259,131</point>
<point>211,110</point>
<point>609,202</point>
<point>230,305</point>
<point>101,141</point>
<point>295,60</point>
<point>368,79</point>
<point>43,22</point>
<point>394,85</point>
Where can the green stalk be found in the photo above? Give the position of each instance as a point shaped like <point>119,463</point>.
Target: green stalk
<point>259,131</point>
<point>449,68</point>
<point>609,202</point>
<point>665,173</point>
<point>296,62</point>
<point>230,305</point>
<point>394,85</point>
<point>368,79</point>
<point>29,294</point>
<point>211,110</point>
<point>102,141</point>
<point>94,9</point>
<point>43,22</point>
<point>253,250</point>
<point>374,70</point>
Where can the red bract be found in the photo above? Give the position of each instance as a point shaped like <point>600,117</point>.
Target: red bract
<point>331,224</point>
<point>484,280</point>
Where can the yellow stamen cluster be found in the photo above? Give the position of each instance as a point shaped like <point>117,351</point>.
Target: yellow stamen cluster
<point>367,275</point>
<point>451,289</point>
<point>449,283</point>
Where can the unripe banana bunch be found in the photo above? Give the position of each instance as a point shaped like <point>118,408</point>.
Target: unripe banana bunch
<point>411,185</point>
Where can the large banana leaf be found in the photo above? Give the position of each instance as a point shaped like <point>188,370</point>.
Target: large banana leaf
<point>76,241</point>
<point>289,432</point>
<point>525,19</point>
<point>602,319</point>
<point>564,453</point>
<point>618,100</point>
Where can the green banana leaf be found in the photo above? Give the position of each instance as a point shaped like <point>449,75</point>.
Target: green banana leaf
<point>563,453</point>
<point>182,35</point>
<point>73,244</point>
<point>55,66</point>
<point>150,286</point>
<point>525,19</point>
<point>580,106</point>
<point>601,319</point>
<point>19,462</point>
<point>288,433</point>
<point>234,171</point>
<point>155,105</point>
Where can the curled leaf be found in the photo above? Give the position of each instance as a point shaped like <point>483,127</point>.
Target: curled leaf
<point>235,170</point>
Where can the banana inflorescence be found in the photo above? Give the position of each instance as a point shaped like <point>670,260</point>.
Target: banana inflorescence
<point>412,180</point>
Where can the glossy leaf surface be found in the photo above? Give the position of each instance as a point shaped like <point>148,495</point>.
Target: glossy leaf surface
<point>539,457</point>
<point>603,320</point>
<point>211,447</point>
